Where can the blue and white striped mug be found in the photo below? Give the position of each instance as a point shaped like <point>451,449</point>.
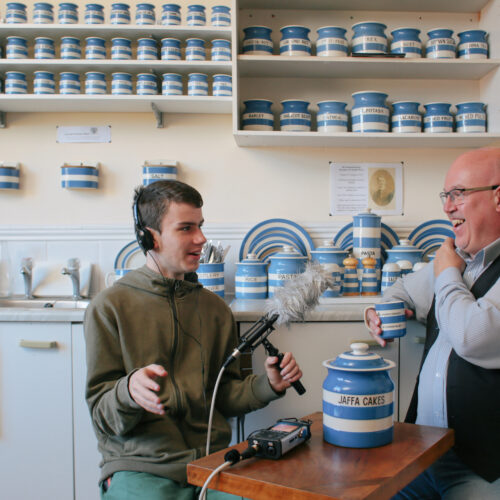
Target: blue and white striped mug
<point>393,319</point>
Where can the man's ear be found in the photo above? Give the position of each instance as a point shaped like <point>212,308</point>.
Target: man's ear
<point>156,238</point>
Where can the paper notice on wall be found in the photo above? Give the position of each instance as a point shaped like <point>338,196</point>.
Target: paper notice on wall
<point>354,187</point>
<point>84,134</point>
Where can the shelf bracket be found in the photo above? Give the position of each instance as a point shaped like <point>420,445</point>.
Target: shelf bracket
<point>158,115</point>
<point>2,119</point>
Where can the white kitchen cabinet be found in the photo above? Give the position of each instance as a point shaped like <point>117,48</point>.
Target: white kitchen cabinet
<point>314,78</point>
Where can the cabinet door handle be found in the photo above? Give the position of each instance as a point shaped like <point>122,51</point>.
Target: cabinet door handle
<point>419,340</point>
<point>38,344</point>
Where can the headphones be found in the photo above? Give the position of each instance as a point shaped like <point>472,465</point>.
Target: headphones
<point>142,233</point>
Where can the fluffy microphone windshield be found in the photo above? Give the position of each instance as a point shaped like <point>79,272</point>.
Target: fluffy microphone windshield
<point>300,294</point>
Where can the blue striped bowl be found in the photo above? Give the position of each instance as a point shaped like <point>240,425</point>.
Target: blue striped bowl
<point>79,177</point>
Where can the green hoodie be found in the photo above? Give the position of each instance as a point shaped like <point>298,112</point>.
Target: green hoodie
<point>143,319</point>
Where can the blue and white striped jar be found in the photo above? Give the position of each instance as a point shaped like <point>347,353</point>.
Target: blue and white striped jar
<point>79,177</point>
<point>171,14</point>
<point>332,116</point>
<point>370,112</point>
<point>221,16</point>
<point>147,49</point>
<point>331,259</point>
<point>69,83</point>
<point>369,279</point>
<point>222,85</point>
<point>9,176</point>
<point>471,117</point>
<point>295,41</point>
<point>331,42</point>
<point>44,83</point>
<point>390,273</point>
<point>16,48</point>
<point>405,117</point>
<point>43,13</point>
<point>195,49</point>
<point>257,115</point>
<point>406,41</point>
<point>95,47</point>
<point>197,84</point>
<point>404,251</point>
<point>196,15</point>
<point>95,83</point>
<point>145,14</point>
<point>366,237</point>
<point>171,84</point>
<point>170,49</point>
<point>67,13</point>
<point>211,276</point>
<point>438,117</point>
<point>472,44</point>
<point>94,14</point>
<point>295,116</point>
<point>152,173</point>
<point>121,83</point>
<point>15,83</point>
<point>221,50</point>
<point>44,48</point>
<point>369,37</point>
<point>121,48</point>
<point>146,84</point>
<point>251,278</point>
<point>351,279</point>
<point>284,266</point>
<point>70,48</point>
<point>441,44</point>
<point>15,13</point>
<point>120,13</point>
<point>257,41</point>
<point>358,395</point>
<point>392,318</point>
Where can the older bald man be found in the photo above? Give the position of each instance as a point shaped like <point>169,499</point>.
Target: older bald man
<point>457,296</point>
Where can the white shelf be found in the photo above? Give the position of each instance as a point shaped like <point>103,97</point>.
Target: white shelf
<point>364,140</point>
<point>359,67</point>
<point>114,103</point>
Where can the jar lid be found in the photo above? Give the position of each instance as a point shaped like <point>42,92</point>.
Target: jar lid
<point>404,246</point>
<point>359,359</point>
<point>288,252</point>
<point>252,259</point>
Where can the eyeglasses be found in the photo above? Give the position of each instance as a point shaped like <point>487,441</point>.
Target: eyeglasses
<point>457,195</point>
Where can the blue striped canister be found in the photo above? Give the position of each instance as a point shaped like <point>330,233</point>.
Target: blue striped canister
<point>406,266</point>
<point>471,117</point>
<point>196,15</point>
<point>257,41</point>
<point>70,48</point>
<point>170,49</point>
<point>221,50</point>
<point>440,44</point>
<point>16,48</point>
<point>94,14</point>
<point>405,117</point>
<point>211,276</point>
<point>171,84</point>
<point>251,278</point>
<point>406,41</point>
<point>366,236</point>
<point>79,177</point>
<point>69,83</point>
<point>43,13</point>
<point>472,44</point>
<point>331,259</point>
<point>295,41</point>
<point>221,16</point>
<point>358,395</point>
<point>222,85</point>
<point>284,266</point>
<point>120,13</point>
<point>147,49</point>
<point>351,280</point>
<point>44,83</point>
<point>145,14</point>
<point>15,82</point>
<point>390,273</point>
<point>438,117</point>
<point>171,14</point>
<point>146,84</point>
<point>404,251</point>
<point>195,49</point>
<point>257,115</point>
<point>15,13</point>
<point>369,37</point>
<point>332,116</point>
<point>44,48</point>
<point>121,83</point>
<point>121,48</point>
<point>295,116</point>
<point>370,112</point>
<point>67,13</point>
<point>369,280</point>
<point>331,42</point>
<point>197,84</point>
<point>392,317</point>
<point>95,47</point>
<point>153,171</point>
<point>95,82</point>
<point>9,176</point>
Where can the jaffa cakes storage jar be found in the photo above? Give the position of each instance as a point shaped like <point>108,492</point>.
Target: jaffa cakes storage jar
<point>94,14</point>
<point>257,41</point>
<point>438,117</point>
<point>472,44</point>
<point>171,14</point>
<point>295,41</point>
<point>471,117</point>
<point>251,278</point>
<point>285,265</point>
<point>257,115</point>
<point>369,37</point>
<point>43,13</point>
<point>370,112</point>
<point>441,44</point>
<point>331,42</point>
<point>221,16</point>
<point>405,117</point>
<point>358,395</point>
<point>295,116</point>
<point>332,116</point>
<point>406,41</point>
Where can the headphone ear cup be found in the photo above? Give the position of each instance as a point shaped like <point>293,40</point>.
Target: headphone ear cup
<point>148,242</point>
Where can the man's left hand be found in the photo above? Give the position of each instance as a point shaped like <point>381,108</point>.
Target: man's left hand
<point>446,256</point>
<point>282,377</point>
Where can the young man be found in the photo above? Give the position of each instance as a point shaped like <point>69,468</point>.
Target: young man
<point>156,341</point>
<point>458,297</point>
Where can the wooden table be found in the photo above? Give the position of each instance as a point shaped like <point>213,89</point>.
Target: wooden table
<point>318,470</point>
